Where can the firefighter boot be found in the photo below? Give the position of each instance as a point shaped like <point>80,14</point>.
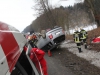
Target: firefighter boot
<point>81,42</point>
<point>79,50</point>
<point>85,46</point>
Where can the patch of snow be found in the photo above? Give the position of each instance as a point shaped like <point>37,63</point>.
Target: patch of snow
<point>92,56</point>
<point>87,28</point>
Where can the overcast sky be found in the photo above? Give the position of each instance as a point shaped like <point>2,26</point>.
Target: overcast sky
<point>19,13</point>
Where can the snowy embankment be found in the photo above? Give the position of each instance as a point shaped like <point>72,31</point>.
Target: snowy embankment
<point>87,28</point>
<point>92,56</point>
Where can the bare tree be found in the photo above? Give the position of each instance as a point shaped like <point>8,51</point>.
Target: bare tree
<point>43,7</point>
<point>94,7</point>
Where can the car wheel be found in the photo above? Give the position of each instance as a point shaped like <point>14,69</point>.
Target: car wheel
<point>43,33</point>
<point>44,36</point>
<point>19,70</point>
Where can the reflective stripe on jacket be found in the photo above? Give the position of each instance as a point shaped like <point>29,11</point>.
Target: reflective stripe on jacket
<point>77,37</point>
<point>83,34</point>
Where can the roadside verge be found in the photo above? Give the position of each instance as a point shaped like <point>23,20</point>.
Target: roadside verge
<point>90,55</point>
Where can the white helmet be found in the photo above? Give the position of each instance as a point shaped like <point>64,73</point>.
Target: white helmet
<point>81,28</point>
<point>76,29</point>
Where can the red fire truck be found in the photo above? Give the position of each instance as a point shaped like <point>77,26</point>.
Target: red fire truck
<point>13,59</point>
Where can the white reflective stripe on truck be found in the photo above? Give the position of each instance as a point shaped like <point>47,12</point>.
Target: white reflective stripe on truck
<point>8,73</point>
<point>20,41</point>
<point>3,63</point>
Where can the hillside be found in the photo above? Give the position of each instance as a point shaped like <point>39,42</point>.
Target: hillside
<point>66,17</point>
<point>91,35</point>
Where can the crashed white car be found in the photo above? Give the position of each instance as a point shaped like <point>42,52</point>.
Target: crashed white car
<point>51,38</point>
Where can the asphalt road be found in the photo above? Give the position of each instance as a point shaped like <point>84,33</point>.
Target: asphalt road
<point>63,62</point>
<point>55,67</point>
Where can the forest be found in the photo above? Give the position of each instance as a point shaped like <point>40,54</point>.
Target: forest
<point>81,14</point>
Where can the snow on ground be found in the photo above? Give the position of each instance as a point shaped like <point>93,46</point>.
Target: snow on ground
<point>92,56</point>
<point>87,28</point>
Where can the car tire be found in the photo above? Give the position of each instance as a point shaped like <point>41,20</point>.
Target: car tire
<point>43,33</point>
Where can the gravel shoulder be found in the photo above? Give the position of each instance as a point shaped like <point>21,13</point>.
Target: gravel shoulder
<point>92,56</point>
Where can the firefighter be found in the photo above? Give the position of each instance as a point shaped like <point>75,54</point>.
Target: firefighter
<point>32,40</point>
<point>37,56</point>
<point>84,36</point>
<point>40,56</point>
<point>77,39</point>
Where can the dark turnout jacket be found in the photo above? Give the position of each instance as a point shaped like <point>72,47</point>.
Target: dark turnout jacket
<point>77,37</point>
<point>83,34</point>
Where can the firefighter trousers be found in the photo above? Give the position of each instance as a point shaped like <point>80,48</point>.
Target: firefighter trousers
<point>79,47</point>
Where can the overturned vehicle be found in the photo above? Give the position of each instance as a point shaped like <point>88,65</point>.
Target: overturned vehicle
<point>51,38</point>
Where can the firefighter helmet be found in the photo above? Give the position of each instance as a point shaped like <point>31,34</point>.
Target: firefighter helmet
<point>76,29</point>
<point>81,28</point>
